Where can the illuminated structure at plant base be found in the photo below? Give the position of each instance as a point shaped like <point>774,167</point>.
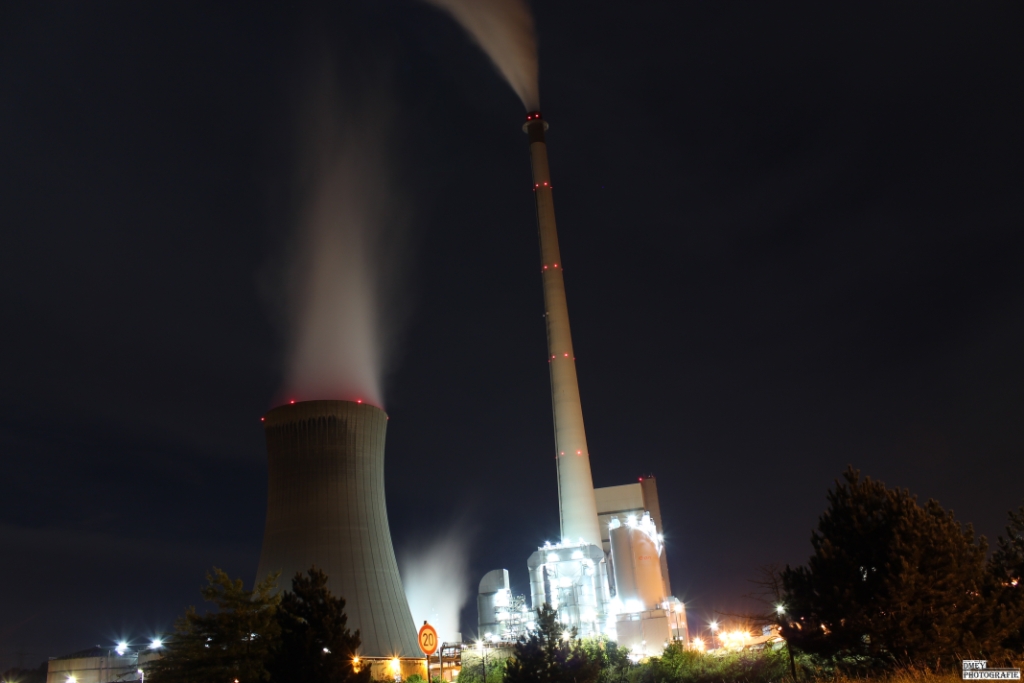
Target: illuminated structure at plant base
<point>616,585</point>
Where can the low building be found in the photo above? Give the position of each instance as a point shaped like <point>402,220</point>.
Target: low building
<point>100,665</point>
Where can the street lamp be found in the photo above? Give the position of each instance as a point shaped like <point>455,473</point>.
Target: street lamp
<point>714,629</point>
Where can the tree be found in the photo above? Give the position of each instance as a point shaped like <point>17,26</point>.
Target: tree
<point>890,581</point>
<point>1008,569</point>
<point>231,644</point>
<point>19,675</point>
<point>315,645</point>
<point>551,655</point>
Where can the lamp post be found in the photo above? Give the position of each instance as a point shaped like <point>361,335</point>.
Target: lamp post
<point>482,644</point>
<point>714,630</point>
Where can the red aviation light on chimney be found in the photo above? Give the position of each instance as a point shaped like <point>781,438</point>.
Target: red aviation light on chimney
<point>533,116</point>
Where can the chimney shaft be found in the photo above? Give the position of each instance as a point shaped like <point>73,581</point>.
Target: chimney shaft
<point>577,506</point>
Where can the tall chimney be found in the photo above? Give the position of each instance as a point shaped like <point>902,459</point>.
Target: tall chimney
<point>325,507</point>
<point>576,503</point>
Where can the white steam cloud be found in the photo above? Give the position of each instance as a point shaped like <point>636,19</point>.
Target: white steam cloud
<point>437,583</point>
<point>343,262</point>
<point>505,31</point>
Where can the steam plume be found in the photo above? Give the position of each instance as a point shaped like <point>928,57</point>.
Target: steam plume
<point>436,581</point>
<point>343,260</point>
<point>504,29</point>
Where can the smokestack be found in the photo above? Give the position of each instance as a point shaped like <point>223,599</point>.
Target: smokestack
<point>325,507</point>
<point>576,503</point>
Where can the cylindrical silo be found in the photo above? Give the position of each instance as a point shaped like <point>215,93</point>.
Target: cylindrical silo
<point>622,564</point>
<point>577,505</point>
<point>636,563</point>
<point>650,589</point>
<point>325,507</point>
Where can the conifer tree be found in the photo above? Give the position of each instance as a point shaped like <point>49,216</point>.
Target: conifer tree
<point>551,654</point>
<point>315,645</point>
<point>228,645</point>
<point>891,582</point>
<point>1008,570</point>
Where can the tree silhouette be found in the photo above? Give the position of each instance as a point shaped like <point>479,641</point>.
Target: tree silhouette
<point>1008,569</point>
<point>315,644</point>
<point>231,644</point>
<point>551,655</point>
<point>891,581</point>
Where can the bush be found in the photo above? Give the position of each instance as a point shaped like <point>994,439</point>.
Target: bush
<point>677,665</point>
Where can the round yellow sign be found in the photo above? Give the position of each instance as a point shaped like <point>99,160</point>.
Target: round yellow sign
<point>428,639</point>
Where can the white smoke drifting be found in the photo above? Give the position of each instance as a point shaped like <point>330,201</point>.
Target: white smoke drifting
<point>343,264</point>
<point>505,31</point>
<point>437,583</point>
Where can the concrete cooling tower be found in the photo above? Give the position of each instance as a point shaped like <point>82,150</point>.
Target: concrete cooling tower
<point>325,507</point>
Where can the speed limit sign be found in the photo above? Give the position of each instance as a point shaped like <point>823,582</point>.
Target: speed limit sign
<point>428,639</point>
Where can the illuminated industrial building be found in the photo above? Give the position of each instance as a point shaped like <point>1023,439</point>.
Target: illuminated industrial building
<point>98,664</point>
<point>607,574</point>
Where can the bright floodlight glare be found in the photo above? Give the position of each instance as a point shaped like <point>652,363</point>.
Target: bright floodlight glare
<point>72,679</point>
<point>714,625</point>
<point>156,644</point>
<point>780,609</point>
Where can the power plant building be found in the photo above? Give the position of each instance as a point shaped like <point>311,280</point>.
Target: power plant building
<point>607,574</point>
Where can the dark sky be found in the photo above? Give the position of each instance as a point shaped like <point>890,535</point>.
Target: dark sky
<point>792,235</point>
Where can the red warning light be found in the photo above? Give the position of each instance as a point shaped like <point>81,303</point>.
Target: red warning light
<point>291,401</point>
<point>359,400</point>
<point>262,419</point>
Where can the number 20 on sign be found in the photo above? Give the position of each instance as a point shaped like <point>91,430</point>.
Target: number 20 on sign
<point>428,639</point>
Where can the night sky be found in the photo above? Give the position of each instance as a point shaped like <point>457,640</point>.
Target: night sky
<point>792,237</point>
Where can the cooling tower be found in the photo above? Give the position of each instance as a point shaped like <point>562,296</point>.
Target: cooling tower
<point>325,507</point>
<point>577,506</point>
